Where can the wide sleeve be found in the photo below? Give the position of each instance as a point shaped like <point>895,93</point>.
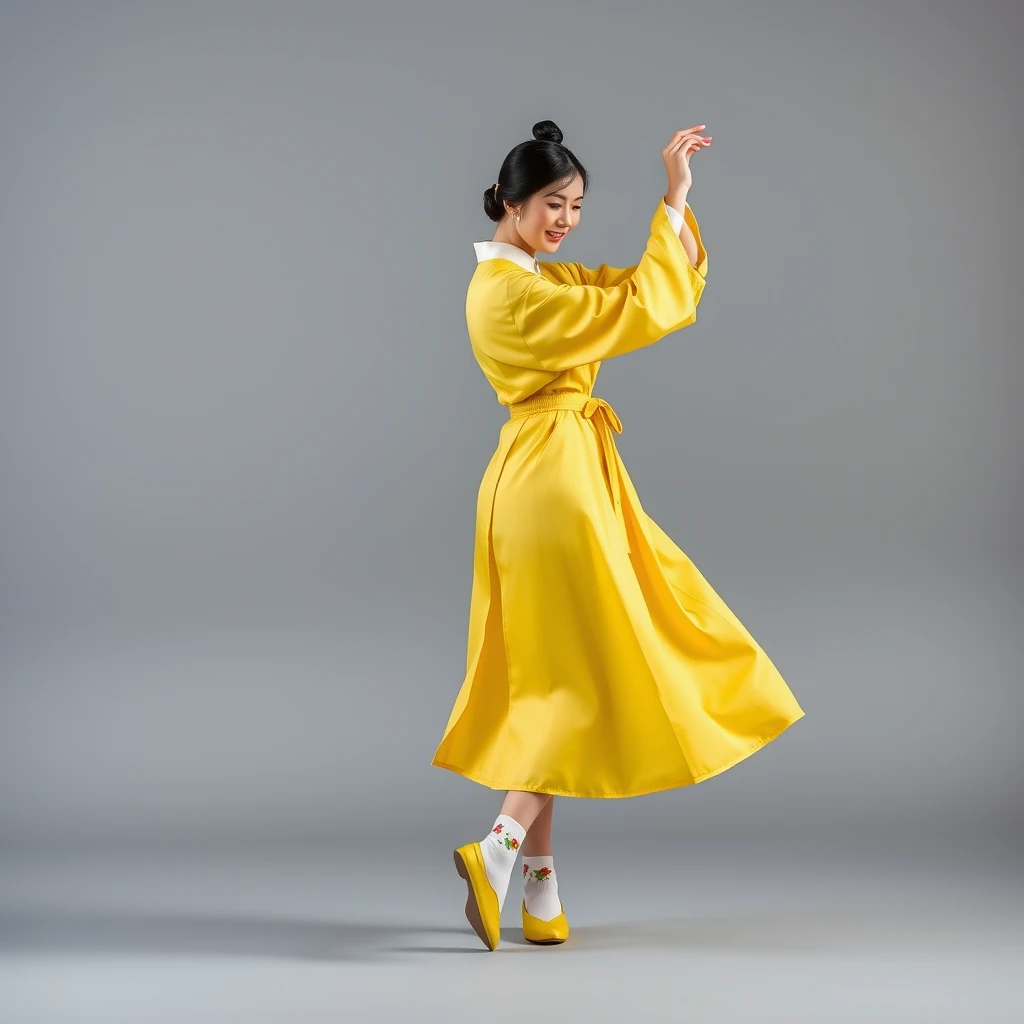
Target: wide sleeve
<point>561,325</point>
<point>702,255</point>
<point>604,276</point>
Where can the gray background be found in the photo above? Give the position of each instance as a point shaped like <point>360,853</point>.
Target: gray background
<point>241,429</point>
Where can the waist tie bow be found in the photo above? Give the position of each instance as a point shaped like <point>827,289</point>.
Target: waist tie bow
<point>605,421</point>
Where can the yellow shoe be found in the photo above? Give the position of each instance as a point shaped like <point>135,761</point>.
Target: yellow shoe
<point>546,932</point>
<point>482,910</point>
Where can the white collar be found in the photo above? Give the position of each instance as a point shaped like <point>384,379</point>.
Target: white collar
<point>506,251</point>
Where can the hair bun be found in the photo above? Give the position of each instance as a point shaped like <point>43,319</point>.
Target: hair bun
<point>547,131</point>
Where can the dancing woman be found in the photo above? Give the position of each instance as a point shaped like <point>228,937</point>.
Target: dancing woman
<point>600,662</point>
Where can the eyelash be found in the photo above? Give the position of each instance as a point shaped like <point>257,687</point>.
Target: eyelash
<point>555,206</point>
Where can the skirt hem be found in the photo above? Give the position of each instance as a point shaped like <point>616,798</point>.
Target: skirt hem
<point>691,781</point>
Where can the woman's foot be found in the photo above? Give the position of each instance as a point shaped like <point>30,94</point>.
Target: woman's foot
<point>540,887</point>
<point>482,909</point>
<point>543,914</point>
<point>487,866</point>
<point>545,932</point>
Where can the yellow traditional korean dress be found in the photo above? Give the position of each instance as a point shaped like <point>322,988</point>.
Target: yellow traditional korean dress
<point>600,662</point>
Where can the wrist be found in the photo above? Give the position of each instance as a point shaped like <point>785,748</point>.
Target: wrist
<point>676,198</point>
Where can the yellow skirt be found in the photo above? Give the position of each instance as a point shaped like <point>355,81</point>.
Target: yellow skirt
<point>600,662</point>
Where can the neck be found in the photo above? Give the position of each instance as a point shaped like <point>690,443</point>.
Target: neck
<point>509,235</point>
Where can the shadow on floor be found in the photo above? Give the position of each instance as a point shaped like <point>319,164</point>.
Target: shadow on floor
<point>828,930</point>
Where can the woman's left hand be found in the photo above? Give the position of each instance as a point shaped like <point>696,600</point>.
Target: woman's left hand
<point>677,154</point>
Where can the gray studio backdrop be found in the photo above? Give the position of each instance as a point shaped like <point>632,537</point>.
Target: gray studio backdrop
<point>241,429</point>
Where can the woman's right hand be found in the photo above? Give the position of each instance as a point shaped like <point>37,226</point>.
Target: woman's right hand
<point>677,157</point>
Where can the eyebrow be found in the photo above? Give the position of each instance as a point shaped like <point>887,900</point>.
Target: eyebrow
<point>559,195</point>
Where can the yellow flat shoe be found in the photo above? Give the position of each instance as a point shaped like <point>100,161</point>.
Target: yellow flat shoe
<point>545,932</point>
<point>482,910</point>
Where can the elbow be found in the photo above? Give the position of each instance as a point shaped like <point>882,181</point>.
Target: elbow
<point>673,320</point>
<point>687,314</point>
<point>688,320</point>
<point>684,311</point>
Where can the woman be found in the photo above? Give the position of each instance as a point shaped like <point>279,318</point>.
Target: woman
<point>600,661</point>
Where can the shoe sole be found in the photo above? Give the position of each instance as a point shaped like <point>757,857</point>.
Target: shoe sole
<point>472,908</point>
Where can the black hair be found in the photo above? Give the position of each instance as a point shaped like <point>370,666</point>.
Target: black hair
<point>531,166</point>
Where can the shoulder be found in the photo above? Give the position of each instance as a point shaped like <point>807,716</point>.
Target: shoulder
<point>561,273</point>
<point>496,287</point>
<point>498,272</point>
<point>506,281</point>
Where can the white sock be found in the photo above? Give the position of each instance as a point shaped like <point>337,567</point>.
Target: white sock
<point>540,887</point>
<point>500,849</point>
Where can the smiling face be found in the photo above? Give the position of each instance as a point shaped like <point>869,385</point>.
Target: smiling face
<point>552,209</point>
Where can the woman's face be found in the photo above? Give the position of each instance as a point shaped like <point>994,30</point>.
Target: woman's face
<point>554,209</point>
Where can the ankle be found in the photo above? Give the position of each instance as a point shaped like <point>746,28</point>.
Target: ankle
<point>540,887</point>
<point>535,849</point>
<point>499,849</point>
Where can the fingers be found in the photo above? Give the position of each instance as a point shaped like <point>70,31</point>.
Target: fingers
<point>685,137</point>
<point>686,141</point>
<point>688,148</point>
<point>686,131</point>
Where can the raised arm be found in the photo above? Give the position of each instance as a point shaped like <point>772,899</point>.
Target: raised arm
<point>683,224</point>
<point>561,325</point>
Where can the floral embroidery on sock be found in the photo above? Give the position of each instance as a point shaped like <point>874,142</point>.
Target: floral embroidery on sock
<point>497,828</point>
<point>526,868</point>
<point>511,843</point>
<point>541,875</point>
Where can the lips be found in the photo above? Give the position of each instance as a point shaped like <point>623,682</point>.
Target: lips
<point>555,234</point>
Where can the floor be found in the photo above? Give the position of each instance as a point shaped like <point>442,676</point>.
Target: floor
<point>927,931</point>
